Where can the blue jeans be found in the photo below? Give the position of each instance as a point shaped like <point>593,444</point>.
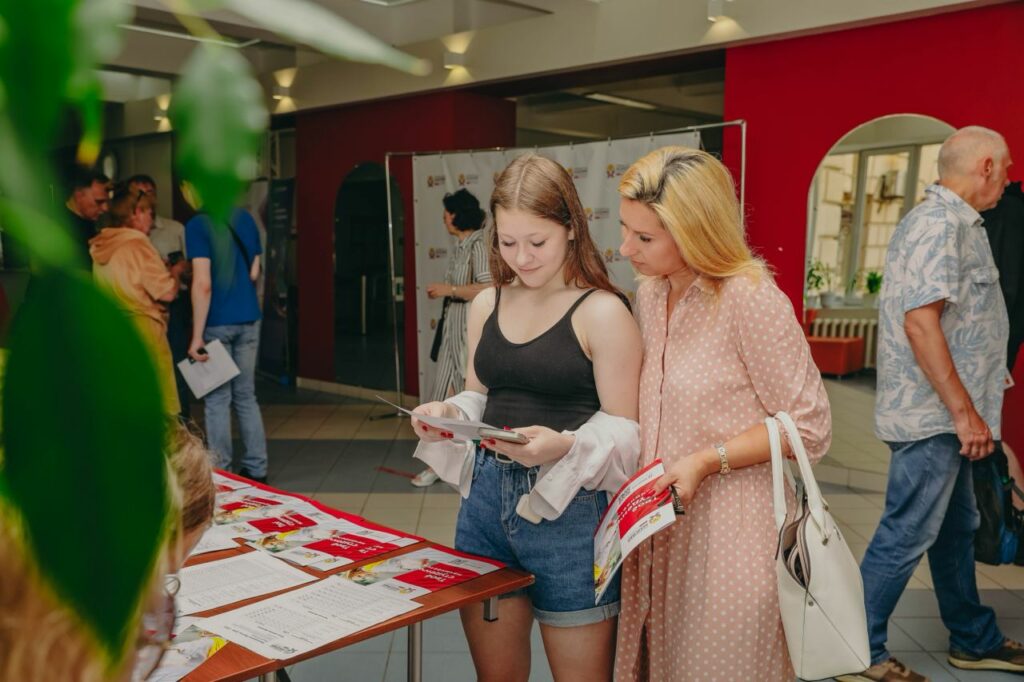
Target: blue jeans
<point>559,553</point>
<point>929,507</point>
<point>241,342</point>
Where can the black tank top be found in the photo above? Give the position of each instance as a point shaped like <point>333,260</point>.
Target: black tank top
<point>547,381</point>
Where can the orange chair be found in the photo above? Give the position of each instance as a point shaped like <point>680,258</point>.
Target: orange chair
<point>837,356</point>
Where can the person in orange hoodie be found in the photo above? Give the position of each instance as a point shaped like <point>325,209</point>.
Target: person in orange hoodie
<point>124,259</point>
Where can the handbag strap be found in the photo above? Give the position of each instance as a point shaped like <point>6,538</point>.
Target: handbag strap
<point>781,469</point>
<point>241,246</point>
<point>781,473</point>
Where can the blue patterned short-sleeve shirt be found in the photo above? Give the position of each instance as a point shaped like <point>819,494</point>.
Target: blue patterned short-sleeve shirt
<point>940,252</point>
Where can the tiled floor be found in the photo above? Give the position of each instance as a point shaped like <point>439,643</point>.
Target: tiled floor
<point>331,448</point>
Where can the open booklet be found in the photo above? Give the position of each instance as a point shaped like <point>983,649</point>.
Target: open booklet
<point>460,429</point>
<point>634,514</point>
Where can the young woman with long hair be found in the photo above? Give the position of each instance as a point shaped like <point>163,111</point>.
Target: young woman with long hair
<point>554,353</point>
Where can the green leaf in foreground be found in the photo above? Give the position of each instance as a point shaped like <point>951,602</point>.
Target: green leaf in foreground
<point>47,240</point>
<point>83,451</point>
<point>325,31</point>
<point>219,115</point>
<point>35,65</point>
<point>96,26</point>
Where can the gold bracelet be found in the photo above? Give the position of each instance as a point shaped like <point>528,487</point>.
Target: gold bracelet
<point>723,461</point>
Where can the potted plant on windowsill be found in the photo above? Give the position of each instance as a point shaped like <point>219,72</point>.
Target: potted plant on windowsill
<point>821,279</point>
<point>873,285</point>
<point>815,283</point>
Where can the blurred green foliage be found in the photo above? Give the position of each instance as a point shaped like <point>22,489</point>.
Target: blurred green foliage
<point>82,465</point>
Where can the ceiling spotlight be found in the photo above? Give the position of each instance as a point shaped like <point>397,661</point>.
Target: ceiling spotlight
<point>454,60</point>
<point>717,9</point>
<point>279,92</point>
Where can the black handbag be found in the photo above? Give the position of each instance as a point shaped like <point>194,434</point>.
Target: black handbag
<point>435,349</point>
<point>997,540</point>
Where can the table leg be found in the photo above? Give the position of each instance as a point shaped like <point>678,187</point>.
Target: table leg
<point>415,671</point>
<point>268,677</point>
<point>491,610</point>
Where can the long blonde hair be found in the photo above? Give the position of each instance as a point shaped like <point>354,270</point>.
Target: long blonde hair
<point>695,199</point>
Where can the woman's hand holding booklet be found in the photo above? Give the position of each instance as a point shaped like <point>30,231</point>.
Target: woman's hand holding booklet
<point>439,421</point>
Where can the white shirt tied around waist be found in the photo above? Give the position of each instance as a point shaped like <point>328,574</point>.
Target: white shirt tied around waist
<point>604,454</point>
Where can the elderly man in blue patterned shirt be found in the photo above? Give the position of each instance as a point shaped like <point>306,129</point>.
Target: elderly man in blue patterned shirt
<point>943,331</point>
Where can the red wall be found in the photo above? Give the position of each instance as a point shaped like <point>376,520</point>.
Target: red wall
<point>800,96</point>
<point>329,144</point>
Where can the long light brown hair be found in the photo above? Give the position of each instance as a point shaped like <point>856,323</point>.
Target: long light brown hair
<point>539,186</point>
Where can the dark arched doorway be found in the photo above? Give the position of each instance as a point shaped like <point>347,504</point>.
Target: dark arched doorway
<point>363,318</point>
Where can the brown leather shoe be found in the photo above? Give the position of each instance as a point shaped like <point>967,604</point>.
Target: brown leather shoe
<point>1008,657</point>
<point>886,671</point>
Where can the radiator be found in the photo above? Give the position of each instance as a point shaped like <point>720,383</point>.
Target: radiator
<point>847,327</point>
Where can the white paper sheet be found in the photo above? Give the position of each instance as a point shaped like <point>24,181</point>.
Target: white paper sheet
<point>216,583</point>
<point>302,620</point>
<point>213,541</point>
<point>203,377</point>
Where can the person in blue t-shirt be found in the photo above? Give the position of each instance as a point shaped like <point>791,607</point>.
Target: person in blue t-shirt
<point>225,267</point>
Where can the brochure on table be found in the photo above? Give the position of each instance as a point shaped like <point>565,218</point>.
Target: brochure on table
<point>247,513</point>
<point>305,619</point>
<point>421,572</point>
<point>190,648</point>
<point>634,514</point>
<point>332,545</point>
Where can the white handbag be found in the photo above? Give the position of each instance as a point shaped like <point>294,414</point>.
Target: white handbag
<point>820,590</point>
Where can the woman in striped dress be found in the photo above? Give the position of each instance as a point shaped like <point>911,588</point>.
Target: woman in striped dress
<point>468,274</point>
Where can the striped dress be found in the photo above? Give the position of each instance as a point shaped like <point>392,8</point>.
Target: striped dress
<point>468,265</point>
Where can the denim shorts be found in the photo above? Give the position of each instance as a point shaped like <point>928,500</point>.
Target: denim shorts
<point>559,553</point>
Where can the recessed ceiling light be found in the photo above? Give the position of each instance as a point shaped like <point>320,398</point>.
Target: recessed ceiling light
<point>621,101</point>
<point>389,3</point>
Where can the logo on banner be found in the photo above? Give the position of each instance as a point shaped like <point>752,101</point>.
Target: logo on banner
<point>577,172</point>
<point>435,180</point>
<point>597,213</point>
<point>615,170</point>
<point>436,252</point>
<point>468,179</point>
<point>433,324</point>
<point>497,174</point>
<point>612,256</point>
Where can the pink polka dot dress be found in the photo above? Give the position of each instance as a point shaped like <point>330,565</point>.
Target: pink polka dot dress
<point>699,600</point>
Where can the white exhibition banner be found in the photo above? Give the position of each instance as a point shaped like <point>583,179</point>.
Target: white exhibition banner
<point>596,168</point>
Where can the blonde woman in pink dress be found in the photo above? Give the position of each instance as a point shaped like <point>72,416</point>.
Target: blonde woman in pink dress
<point>722,350</point>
